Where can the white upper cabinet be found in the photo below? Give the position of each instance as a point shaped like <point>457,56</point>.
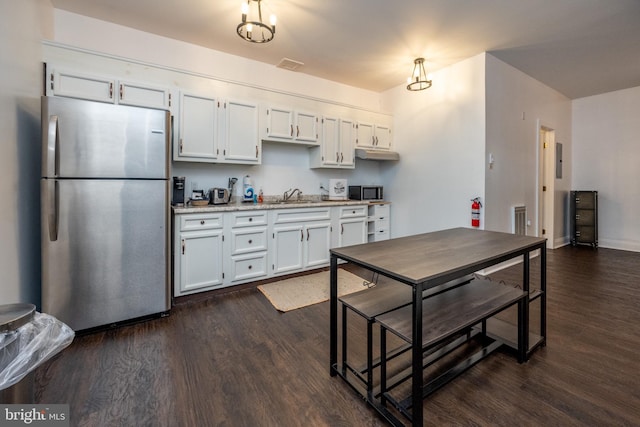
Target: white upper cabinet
<point>241,132</point>
<point>288,125</point>
<point>107,89</point>
<point>372,135</point>
<point>347,143</point>
<point>217,131</point>
<point>336,144</point>
<point>143,95</point>
<point>198,128</point>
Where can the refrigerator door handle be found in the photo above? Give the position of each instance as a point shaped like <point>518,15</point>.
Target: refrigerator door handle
<point>51,204</point>
<point>52,147</point>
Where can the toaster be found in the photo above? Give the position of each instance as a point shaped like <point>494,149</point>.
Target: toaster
<point>218,196</point>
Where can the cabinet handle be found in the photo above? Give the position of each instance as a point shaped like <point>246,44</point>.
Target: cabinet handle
<point>183,246</point>
<point>301,235</point>
<point>291,130</point>
<point>577,216</point>
<point>110,90</point>
<point>181,144</point>
<point>250,219</point>
<point>297,131</point>
<point>341,228</point>
<point>341,157</point>
<point>249,267</point>
<point>121,91</point>
<point>256,151</point>
<point>202,222</point>
<point>250,241</point>
<point>307,234</point>
<point>338,157</point>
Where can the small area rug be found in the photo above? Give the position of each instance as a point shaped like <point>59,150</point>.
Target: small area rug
<point>302,291</point>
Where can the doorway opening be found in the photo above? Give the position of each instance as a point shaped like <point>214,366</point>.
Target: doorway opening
<point>545,148</point>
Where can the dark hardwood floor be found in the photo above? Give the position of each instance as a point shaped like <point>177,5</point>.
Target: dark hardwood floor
<point>233,360</point>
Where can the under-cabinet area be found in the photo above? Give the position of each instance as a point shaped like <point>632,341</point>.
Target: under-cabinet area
<point>220,247</point>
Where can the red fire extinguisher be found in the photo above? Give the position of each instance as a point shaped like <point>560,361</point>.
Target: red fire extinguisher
<point>475,212</point>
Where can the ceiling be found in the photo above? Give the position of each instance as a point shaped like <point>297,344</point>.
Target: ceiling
<point>578,47</point>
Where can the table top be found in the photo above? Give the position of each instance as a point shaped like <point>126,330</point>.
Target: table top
<point>437,257</point>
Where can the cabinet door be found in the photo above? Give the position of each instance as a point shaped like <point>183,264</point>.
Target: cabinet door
<point>352,231</point>
<point>280,123</point>
<point>365,135</point>
<point>287,249</point>
<point>306,128</point>
<point>198,124</point>
<point>330,141</point>
<point>241,132</point>
<point>143,95</point>
<point>318,243</point>
<point>347,143</point>
<point>200,260</point>
<point>382,137</point>
<point>83,86</point>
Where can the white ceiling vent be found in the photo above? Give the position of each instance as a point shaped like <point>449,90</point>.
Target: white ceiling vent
<point>290,64</point>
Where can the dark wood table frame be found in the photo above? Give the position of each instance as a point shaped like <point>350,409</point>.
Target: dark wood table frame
<point>427,260</point>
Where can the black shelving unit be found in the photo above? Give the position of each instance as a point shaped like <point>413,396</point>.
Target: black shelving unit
<point>584,218</point>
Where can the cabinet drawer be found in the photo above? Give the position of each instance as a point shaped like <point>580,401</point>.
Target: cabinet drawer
<point>248,219</point>
<point>585,234</point>
<point>380,212</point>
<point>585,217</point>
<point>353,211</point>
<point>380,235</point>
<point>250,266</point>
<point>585,199</point>
<point>200,222</point>
<point>283,216</point>
<point>247,240</point>
<point>382,225</point>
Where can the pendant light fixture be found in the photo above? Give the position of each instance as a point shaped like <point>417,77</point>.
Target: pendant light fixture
<point>418,79</point>
<point>252,28</point>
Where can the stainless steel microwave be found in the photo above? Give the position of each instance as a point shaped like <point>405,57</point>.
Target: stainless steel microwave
<point>366,192</point>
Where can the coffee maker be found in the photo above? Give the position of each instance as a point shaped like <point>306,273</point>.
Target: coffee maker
<point>178,191</point>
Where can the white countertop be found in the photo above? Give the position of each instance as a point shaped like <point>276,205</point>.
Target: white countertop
<point>246,206</point>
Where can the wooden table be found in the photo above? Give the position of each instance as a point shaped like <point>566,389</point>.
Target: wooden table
<point>427,260</point>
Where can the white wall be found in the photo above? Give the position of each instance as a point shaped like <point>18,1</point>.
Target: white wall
<point>606,155</point>
<point>439,133</point>
<point>22,25</point>
<point>513,141</point>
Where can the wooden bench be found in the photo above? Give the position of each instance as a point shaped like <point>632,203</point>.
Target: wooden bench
<point>374,302</point>
<point>445,316</point>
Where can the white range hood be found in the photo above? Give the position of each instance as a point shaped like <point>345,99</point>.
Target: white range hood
<point>365,154</point>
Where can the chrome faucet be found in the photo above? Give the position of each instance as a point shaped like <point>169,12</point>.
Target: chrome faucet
<point>289,194</point>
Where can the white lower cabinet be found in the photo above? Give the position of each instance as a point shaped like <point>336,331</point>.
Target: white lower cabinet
<point>378,222</point>
<point>198,254</point>
<point>213,250</point>
<point>351,225</point>
<point>247,246</point>
<point>301,239</point>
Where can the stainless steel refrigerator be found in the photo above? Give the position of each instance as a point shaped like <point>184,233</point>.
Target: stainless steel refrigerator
<point>105,214</point>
